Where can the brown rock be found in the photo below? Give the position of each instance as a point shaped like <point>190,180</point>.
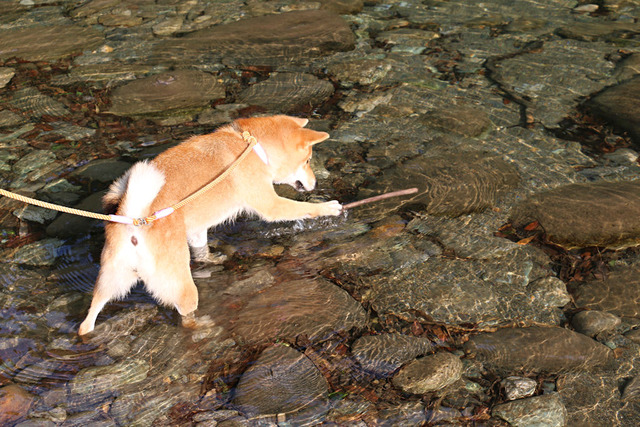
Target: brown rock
<point>14,404</point>
<point>618,293</point>
<point>265,40</point>
<point>47,43</point>
<point>538,349</point>
<point>174,90</point>
<point>589,214</point>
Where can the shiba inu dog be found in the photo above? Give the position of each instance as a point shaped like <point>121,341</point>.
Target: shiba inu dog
<point>158,253</point>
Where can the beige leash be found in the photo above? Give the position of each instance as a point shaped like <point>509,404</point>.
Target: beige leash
<point>253,142</point>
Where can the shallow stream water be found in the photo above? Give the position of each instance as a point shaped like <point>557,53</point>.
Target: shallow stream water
<point>506,291</point>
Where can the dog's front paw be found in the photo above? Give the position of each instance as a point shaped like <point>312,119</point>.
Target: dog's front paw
<point>332,208</point>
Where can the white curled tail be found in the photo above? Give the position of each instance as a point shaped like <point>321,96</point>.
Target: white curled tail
<point>134,191</point>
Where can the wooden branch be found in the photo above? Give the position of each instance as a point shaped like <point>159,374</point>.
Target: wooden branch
<point>380,197</point>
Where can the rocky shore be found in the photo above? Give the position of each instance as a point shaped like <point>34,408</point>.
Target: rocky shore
<point>504,292</point>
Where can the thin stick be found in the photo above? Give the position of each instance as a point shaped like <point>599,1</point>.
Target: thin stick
<point>380,197</point>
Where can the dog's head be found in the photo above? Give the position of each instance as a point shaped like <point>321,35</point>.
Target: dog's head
<point>288,146</point>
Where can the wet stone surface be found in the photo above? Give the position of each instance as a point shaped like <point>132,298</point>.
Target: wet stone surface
<point>283,382</point>
<point>547,410</point>
<point>516,262</point>
<point>617,294</point>
<point>538,349</point>
<point>429,373</point>
<point>384,354</point>
<point>562,211</point>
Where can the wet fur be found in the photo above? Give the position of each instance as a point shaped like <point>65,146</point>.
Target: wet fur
<point>158,254</point>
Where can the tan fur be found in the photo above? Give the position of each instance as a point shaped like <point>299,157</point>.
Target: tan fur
<point>160,255</point>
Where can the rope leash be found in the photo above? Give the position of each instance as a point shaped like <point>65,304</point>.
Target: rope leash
<point>246,136</point>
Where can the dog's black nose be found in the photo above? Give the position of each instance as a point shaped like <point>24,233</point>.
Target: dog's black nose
<point>300,186</point>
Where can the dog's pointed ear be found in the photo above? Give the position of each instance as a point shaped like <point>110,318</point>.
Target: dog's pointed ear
<point>312,137</point>
<point>300,122</point>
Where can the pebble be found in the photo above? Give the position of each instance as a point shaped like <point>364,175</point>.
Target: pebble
<point>551,291</point>
<point>429,373</point>
<point>6,74</point>
<point>168,27</point>
<point>518,387</point>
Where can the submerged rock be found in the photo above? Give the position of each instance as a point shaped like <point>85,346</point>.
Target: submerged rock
<point>166,92</point>
<point>553,92</point>
<point>455,184</point>
<point>589,214</point>
<point>620,105</point>
<point>429,373</point>
<point>283,383</point>
<point>39,253</point>
<point>547,410</point>
<point>458,291</point>
<point>14,404</point>
<point>67,225</point>
<point>591,31</point>
<point>383,354</point>
<point>30,101</point>
<point>286,92</point>
<point>93,385</point>
<point>314,308</point>
<point>9,118</point>
<point>518,387</point>
<point>618,293</point>
<point>47,43</point>
<point>593,322</point>
<point>263,40</point>
<point>538,349</point>
<point>461,120</point>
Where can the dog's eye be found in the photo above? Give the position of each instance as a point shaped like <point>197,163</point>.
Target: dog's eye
<point>308,160</point>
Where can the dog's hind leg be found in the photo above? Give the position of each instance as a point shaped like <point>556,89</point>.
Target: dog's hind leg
<point>171,282</point>
<point>113,282</point>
